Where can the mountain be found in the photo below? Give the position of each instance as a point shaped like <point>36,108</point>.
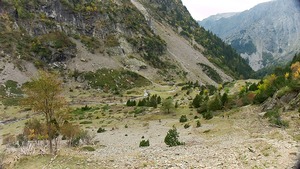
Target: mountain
<point>87,36</point>
<point>265,35</point>
<point>221,15</point>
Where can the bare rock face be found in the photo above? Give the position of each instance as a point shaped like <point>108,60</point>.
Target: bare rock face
<point>265,35</point>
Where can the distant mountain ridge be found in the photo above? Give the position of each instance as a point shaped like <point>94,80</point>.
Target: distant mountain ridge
<point>222,15</point>
<point>267,34</point>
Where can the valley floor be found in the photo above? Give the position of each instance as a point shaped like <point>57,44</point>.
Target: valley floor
<point>240,139</point>
<point>237,138</point>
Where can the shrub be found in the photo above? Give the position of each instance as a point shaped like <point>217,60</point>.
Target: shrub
<point>75,141</point>
<point>283,91</point>
<point>138,110</point>
<point>198,123</point>
<point>88,148</point>
<point>87,137</point>
<point>131,103</point>
<point>215,104</point>
<point>224,98</point>
<point>86,108</point>
<point>22,140</point>
<point>272,113</point>
<point>274,118</point>
<point>207,115</point>
<point>197,101</point>
<point>101,130</point>
<point>86,122</point>
<point>187,125</point>
<point>183,119</point>
<point>176,105</point>
<point>171,138</point>
<point>144,143</point>
<point>279,122</point>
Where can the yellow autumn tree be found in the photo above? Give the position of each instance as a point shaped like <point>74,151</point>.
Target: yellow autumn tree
<point>267,82</point>
<point>43,94</point>
<point>295,67</point>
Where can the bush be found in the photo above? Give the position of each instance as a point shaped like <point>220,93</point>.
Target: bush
<point>75,141</point>
<point>88,148</point>
<point>22,140</point>
<point>274,118</point>
<point>183,119</point>
<point>144,143</point>
<point>86,108</point>
<point>272,114</point>
<point>215,104</point>
<point>86,137</point>
<point>138,110</point>
<point>131,103</point>
<point>86,122</point>
<point>198,124</point>
<point>197,101</point>
<point>101,130</point>
<point>187,125</point>
<point>171,138</point>
<point>279,122</point>
<point>207,115</point>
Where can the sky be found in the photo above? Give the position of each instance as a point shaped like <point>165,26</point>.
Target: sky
<point>201,9</point>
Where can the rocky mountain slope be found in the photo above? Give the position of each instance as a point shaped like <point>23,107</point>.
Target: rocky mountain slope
<point>80,36</point>
<point>265,35</point>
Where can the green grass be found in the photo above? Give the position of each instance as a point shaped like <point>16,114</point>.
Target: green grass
<point>86,122</point>
<point>83,110</point>
<point>115,80</point>
<point>59,162</point>
<point>11,101</point>
<point>91,43</point>
<point>88,148</point>
<point>138,110</point>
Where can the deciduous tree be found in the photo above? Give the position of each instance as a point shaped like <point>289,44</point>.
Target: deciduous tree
<point>167,105</point>
<point>44,94</point>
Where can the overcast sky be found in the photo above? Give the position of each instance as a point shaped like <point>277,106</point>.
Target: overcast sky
<point>201,9</point>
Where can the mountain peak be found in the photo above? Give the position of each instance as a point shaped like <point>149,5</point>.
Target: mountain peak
<point>267,34</point>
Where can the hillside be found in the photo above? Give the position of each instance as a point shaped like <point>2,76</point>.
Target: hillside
<point>267,34</point>
<point>81,36</point>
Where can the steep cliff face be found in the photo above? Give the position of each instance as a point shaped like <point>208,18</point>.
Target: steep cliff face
<point>87,35</point>
<point>61,31</point>
<point>265,35</point>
